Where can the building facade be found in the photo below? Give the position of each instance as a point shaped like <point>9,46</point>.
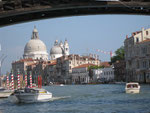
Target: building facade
<point>80,74</point>
<point>137,56</point>
<point>103,75</point>
<point>65,64</point>
<point>21,65</point>
<point>120,71</point>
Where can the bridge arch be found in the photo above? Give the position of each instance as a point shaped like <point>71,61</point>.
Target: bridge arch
<point>18,11</point>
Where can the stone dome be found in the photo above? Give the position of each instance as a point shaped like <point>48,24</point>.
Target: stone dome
<point>35,45</point>
<point>35,48</point>
<point>56,50</point>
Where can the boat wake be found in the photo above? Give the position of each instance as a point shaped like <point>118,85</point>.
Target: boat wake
<point>59,98</point>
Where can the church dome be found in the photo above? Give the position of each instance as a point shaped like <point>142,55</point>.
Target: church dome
<point>35,45</point>
<point>56,50</point>
<point>35,48</point>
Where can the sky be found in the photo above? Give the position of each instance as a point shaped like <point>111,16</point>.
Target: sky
<point>84,34</point>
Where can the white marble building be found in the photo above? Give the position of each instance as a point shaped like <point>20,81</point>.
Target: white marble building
<point>35,48</point>
<point>59,50</point>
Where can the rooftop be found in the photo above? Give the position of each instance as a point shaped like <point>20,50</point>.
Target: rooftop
<point>85,65</point>
<point>105,64</point>
<point>24,60</point>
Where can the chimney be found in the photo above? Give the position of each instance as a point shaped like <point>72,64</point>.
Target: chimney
<point>126,36</point>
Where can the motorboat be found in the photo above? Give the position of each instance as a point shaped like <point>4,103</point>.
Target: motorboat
<point>132,87</point>
<point>61,85</point>
<point>29,95</point>
<point>4,93</point>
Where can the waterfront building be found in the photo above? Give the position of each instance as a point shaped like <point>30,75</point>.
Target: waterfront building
<point>35,48</point>
<point>137,56</point>
<point>80,74</point>
<point>120,71</point>
<point>103,75</point>
<point>21,65</point>
<point>60,70</point>
<point>46,69</point>
<point>59,50</point>
<point>51,73</point>
<point>65,64</point>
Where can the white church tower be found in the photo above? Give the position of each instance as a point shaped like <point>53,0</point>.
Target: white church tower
<point>61,45</point>
<point>66,48</point>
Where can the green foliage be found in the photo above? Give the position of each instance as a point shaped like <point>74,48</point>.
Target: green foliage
<point>119,55</point>
<point>95,67</point>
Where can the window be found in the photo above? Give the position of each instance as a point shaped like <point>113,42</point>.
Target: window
<point>138,64</point>
<point>144,50</point>
<point>144,64</point>
<point>146,32</point>
<point>137,40</point>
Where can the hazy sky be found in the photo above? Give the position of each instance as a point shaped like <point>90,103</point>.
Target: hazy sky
<point>85,34</point>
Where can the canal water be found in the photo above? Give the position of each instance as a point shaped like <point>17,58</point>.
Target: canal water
<point>103,98</point>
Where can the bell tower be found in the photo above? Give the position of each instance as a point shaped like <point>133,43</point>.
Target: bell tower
<point>66,48</point>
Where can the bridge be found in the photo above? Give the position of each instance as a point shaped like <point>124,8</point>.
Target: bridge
<point>18,11</point>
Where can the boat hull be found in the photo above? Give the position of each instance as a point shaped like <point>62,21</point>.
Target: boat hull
<point>13,99</point>
<point>132,91</point>
<point>29,98</point>
<point>5,94</point>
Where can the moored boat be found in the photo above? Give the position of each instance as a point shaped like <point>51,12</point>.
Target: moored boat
<point>4,93</point>
<point>132,87</point>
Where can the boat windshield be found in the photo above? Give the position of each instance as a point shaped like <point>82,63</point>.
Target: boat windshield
<point>132,86</point>
<point>29,90</point>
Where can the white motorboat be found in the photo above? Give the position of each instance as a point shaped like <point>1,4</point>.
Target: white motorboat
<point>4,93</point>
<point>29,95</point>
<point>61,85</point>
<point>132,87</point>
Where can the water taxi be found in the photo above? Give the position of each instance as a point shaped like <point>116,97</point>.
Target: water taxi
<point>132,87</point>
<point>29,95</point>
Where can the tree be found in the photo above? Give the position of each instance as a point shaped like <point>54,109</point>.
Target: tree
<point>119,55</point>
<point>95,67</point>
